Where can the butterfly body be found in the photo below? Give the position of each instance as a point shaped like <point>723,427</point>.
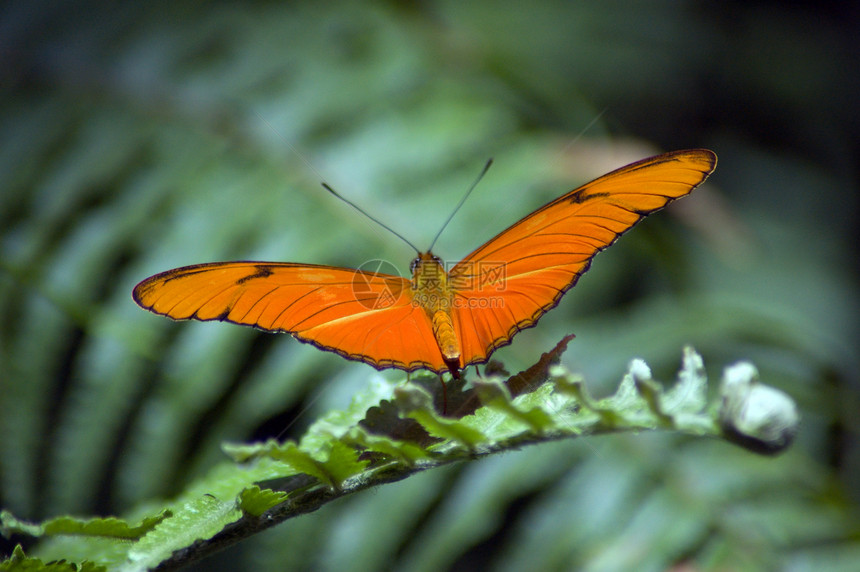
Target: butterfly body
<point>433,294</point>
<point>441,319</point>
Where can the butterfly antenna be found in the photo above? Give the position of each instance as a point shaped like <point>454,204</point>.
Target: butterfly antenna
<point>463,200</point>
<point>327,187</point>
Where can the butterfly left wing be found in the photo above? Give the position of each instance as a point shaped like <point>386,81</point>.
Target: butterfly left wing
<point>507,284</point>
<point>360,315</point>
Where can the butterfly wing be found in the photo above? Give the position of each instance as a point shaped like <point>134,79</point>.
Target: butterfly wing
<point>360,315</point>
<point>507,284</point>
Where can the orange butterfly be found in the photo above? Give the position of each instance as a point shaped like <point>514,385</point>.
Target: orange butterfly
<point>440,319</point>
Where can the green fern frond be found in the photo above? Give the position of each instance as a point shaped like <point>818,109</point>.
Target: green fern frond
<point>270,482</point>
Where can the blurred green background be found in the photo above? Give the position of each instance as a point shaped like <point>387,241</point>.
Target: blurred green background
<point>136,137</point>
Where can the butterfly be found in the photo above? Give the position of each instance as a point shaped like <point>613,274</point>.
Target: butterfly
<point>443,318</point>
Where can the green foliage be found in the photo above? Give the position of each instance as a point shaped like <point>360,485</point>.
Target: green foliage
<point>230,503</point>
<point>64,525</point>
<point>20,562</point>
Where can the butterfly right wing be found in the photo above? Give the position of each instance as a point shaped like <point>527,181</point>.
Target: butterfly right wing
<point>360,315</point>
<point>507,284</point>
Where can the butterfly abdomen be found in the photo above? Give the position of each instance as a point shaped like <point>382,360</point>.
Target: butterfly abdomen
<point>443,331</point>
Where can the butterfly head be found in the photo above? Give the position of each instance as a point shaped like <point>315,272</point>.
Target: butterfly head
<point>424,260</point>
